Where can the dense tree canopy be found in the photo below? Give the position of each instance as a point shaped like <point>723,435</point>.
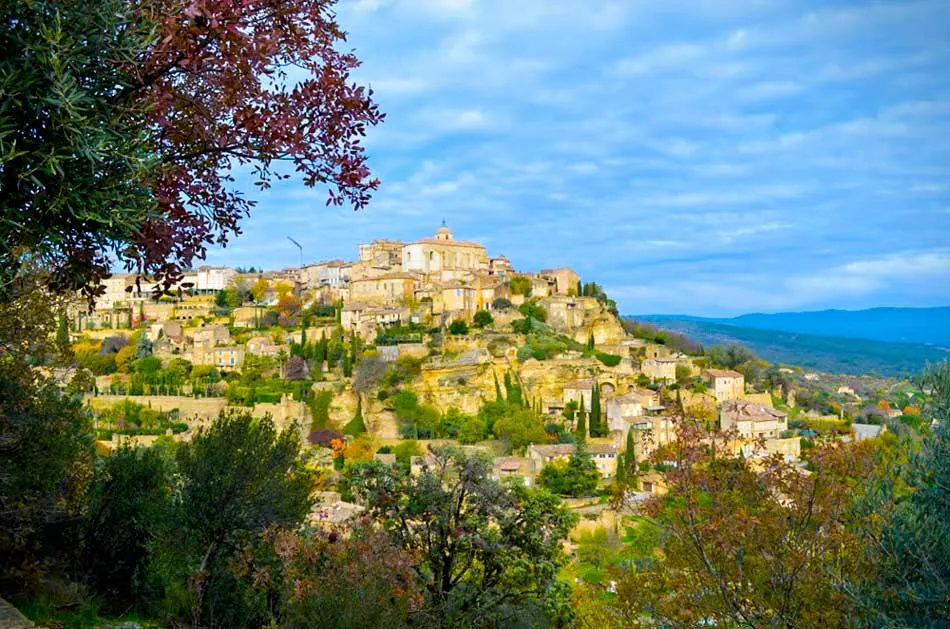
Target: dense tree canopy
<point>488,553</point>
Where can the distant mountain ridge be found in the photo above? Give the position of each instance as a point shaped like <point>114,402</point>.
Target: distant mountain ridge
<point>838,349</point>
<point>928,326</point>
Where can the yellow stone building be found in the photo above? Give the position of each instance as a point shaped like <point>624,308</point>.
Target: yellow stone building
<point>390,289</point>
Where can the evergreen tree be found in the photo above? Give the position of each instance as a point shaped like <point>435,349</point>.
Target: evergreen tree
<point>513,390</point>
<point>596,429</point>
<point>590,340</point>
<point>621,470</point>
<point>498,395</point>
<point>580,288</point>
<point>323,348</point>
<point>679,402</point>
<point>347,364</point>
<point>580,431</point>
<point>356,426</point>
<point>144,347</point>
<point>631,454</point>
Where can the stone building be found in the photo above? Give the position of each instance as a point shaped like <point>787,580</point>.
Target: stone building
<point>726,383</point>
<point>444,258</point>
<point>389,289</point>
<point>752,420</point>
<point>564,279</point>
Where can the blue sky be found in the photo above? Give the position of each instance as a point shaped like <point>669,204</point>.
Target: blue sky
<point>708,157</point>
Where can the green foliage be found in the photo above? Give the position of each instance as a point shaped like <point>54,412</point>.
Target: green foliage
<point>472,430</point>
<point>418,421</point>
<point>533,310</point>
<point>598,424</point>
<point>320,410</point>
<point>45,460</point>
<point>609,360</point>
<point>129,504</point>
<point>356,426</point>
<point>577,476</point>
<point>513,390</point>
<point>458,327</point>
<point>482,318</point>
<point>404,369</point>
<point>76,154</point>
<point>911,587</point>
<point>519,427</point>
<point>580,429</point>
<point>520,285</point>
<point>240,477</point>
<point>500,303</point>
<point>405,450</point>
<point>131,418</point>
<point>487,552</point>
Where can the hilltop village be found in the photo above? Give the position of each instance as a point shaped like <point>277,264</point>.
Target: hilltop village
<point>414,343</point>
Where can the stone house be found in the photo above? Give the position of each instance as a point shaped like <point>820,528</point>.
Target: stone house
<point>623,409</point>
<point>518,467</point>
<point>577,390</point>
<point>500,267</point>
<point>726,383</point>
<point>565,280</point>
<point>660,369</point>
<point>264,345</point>
<point>752,420</point>
<point>603,454</point>
<point>388,289</point>
<point>223,357</point>
<point>211,335</point>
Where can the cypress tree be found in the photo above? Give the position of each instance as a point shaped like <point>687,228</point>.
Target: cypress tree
<point>324,347</point>
<point>590,340</point>
<point>621,470</point>
<point>596,430</point>
<point>356,426</point>
<point>631,454</point>
<point>679,402</point>
<point>581,430</point>
<point>498,395</point>
<point>347,365</point>
<point>513,391</point>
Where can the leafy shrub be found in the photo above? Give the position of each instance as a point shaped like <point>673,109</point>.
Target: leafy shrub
<point>482,318</point>
<point>458,327</point>
<point>610,360</point>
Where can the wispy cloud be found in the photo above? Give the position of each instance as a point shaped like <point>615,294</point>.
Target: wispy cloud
<point>707,156</point>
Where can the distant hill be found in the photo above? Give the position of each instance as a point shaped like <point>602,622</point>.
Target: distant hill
<point>891,325</point>
<point>833,354</point>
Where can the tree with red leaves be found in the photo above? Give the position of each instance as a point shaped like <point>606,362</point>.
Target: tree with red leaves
<point>122,123</point>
